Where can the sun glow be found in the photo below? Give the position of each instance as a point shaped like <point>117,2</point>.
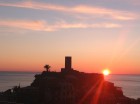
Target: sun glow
<point>106,72</point>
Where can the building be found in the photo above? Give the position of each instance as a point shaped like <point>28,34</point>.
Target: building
<point>68,87</point>
<point>68,65</point>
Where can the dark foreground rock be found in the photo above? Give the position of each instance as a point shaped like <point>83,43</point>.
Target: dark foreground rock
<point>67,87</point>
<point>71,87</point>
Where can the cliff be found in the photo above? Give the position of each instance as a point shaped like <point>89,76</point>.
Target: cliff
<point>67,87</point>
<point>70,87</point>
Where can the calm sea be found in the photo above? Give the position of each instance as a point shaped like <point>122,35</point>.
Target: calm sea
<point>11,79</point>
<point>130,83</point>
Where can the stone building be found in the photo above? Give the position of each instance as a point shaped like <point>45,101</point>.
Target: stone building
<point>69,87</point>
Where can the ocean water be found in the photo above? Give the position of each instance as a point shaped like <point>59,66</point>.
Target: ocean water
<point>130,83</point>
<point>10,79</point>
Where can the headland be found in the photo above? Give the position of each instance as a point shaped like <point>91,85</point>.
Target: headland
<point>68,86</point>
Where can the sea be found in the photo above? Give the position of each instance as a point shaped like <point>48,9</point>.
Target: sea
<point>130,84</point>
<point>9,80</point>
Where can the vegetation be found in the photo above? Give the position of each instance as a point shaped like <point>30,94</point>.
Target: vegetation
<point>47,67</point>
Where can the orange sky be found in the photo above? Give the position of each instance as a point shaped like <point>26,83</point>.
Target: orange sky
<point>97,34</point>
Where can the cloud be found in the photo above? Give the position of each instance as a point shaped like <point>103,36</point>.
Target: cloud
<point>80,9</point>
<point>103,12</point>
<point>26,24</point>
<point>64,25</point>
<point>44,26</point>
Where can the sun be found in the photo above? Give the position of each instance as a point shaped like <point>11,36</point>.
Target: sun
<point>106,72</point>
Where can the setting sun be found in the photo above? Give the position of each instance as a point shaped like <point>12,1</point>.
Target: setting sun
<point>106,72</point>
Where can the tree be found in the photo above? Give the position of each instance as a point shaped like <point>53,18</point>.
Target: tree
<point>47,67</point>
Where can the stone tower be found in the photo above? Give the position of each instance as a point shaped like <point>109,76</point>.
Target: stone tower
<point>68,64</point>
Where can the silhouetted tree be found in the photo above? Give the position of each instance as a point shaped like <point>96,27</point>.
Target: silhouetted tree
<point>47,67</point>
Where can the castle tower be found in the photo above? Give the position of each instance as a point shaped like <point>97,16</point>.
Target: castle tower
<point>68,62</point>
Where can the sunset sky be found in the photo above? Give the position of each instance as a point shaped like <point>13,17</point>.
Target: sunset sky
<point>98,34</point>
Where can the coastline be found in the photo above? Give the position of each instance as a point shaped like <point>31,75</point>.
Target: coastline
<point>132,94</point>
<point>47,73</point>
